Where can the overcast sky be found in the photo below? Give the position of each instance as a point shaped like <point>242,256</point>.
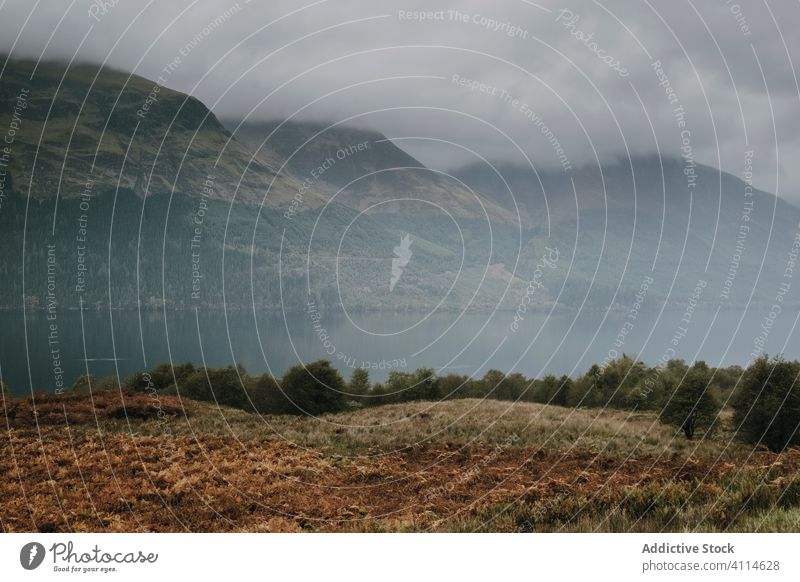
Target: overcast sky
<point>582,70</point>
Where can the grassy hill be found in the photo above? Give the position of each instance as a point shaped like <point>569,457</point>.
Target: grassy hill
<point>138,463</point>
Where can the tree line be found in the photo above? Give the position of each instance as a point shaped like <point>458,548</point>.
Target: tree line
<point>764,397</point>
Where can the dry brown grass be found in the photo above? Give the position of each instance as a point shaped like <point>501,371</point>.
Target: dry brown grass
<point>461,465</point>
<point>613,433</point>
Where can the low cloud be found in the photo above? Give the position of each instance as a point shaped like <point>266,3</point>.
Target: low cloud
<point>466,80</point>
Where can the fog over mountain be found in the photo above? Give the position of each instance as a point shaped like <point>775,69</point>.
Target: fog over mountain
<point>578,83</point>
<point>398,158</point>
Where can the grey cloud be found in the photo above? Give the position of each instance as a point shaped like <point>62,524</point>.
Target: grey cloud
<point>712,62</point>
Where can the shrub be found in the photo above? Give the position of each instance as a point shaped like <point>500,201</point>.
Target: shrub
<point>767,404</point>
<point>315,388</point>
<point>164,375</point>
<point>266,396</point>
<point>5,399</point>
<point>139,382</point>
<point>220,385</point>
<point>82,384</point>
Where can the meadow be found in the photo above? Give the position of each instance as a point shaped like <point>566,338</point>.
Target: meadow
<point>131,461</point>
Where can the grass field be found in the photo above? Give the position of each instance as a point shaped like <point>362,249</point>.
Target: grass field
<point>136,463</point>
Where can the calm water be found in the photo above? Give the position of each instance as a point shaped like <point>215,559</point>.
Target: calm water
<point>567,343</point>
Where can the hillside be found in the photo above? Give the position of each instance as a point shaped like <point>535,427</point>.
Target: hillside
<point>119,131</point>
<point>148,201</point>
<point>628,220</point>
<point>458,466</point>
<point>364,170</point>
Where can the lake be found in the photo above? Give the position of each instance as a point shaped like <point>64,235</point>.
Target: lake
<point>39,353</point>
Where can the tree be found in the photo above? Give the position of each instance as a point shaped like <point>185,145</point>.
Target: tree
<point>491,383</point>
<point>693,405</point>
<point>315,388</point>
<point>552,390</point>
<point>513,387</point>
<point>767,404</point>
<point>396,387</point>
<point>618,379</point>
<point>378,395</point>
<point>424,385</point>
<point>359,382</point>
<point>649,393</point>
<point>454,386</point>
<point>656,384</point>
<point>559,397</point>
<point>586,391</point>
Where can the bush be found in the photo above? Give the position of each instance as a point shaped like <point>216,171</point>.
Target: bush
<point>83,383</point>
<point>87,383</point>
<point>5,398</point>
<point>165,375</point>
<point>266,396</point>
<point>139,382</point>
<point>314,389</point>
<point>693,405</point>
<point>160,378</point>
<point>767,404</point>
<point>220,385</point>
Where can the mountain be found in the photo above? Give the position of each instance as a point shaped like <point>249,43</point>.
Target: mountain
<point>651,216</point>
<point>121,131</point>
<point>362,169</point>
<point>121,193</point>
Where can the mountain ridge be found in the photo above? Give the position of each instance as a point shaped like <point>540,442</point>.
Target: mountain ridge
<point>362,169</point>
<point>185,212</point>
